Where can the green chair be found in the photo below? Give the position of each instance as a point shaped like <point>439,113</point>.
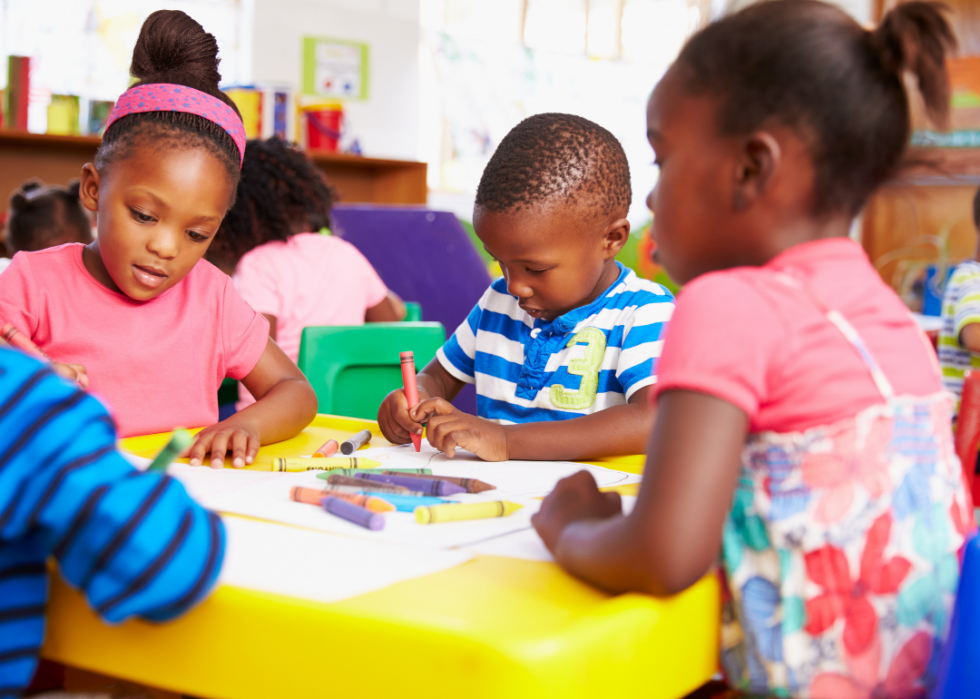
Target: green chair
<point>352,368</point>
<point>413,312</point>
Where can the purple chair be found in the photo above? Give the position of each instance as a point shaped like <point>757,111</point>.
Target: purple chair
<point>423,256</point>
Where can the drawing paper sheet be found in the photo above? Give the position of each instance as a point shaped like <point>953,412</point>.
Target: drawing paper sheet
<point>526,543</point>
<point>314,566</point>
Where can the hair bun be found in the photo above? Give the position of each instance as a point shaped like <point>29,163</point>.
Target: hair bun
<point>18,202</point>
<point>30,185</point>
<point>173,47</point>
<point>74,188</point>
<point>915,36</point>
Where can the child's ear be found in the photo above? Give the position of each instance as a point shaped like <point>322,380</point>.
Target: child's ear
<point>757,160</point>
<point>88,188</point>
<point>615,237</point>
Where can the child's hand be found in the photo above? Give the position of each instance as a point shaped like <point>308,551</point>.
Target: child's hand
<point>574,498</point>
<point>448,428</point>
<point>393,417</point>
<point>72,372</point>
<point>235,436</point>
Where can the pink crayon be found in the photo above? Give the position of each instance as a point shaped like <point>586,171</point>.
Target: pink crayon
<point>411,388</point>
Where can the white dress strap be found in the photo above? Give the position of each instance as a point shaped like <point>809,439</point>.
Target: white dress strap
<point>849,333</point>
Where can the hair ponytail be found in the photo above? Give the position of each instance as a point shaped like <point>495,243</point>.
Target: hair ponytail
<point>915,37</point>
<point>807,65</point>
<point>173,48</point>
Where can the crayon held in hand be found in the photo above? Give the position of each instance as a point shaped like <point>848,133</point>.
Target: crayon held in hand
<point>408,503</point>
<point>423,485</point>
<point>411,388</point>
<point>179,441</point>
<point>366,485</point>
<point>352,513</point>
<point>392,471</point>
<point>329,448</point>
<point>472,485</point>
<point>21,341</point>
<point>301,464</point>
<point>464,511</point>
<point>356,442</point>
<point>314,496</point>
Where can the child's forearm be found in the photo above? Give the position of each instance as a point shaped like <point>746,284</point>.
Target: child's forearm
<point>435,382</point>
<point>612,432</point>
<point>287,408</point>
<point>604,553</point>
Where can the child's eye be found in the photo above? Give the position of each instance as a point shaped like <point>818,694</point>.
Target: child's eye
<point>535,271</point>
<point>141,217</point>
<point>195,236</point>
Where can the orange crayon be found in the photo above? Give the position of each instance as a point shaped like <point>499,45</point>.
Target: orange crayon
<point>21,341</point>
<point>313,496</point>
<point>328,449</point>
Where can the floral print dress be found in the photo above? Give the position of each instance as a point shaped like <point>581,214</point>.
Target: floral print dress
<point>841,550</point>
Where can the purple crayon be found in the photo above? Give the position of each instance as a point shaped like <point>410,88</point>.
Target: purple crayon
<point>434,487</point>
<point>353,513</point>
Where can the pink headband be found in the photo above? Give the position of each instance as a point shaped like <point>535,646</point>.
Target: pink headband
<point>167,97</point>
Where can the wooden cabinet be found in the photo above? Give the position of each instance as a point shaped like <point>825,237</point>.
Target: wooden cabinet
<point>58,159</point>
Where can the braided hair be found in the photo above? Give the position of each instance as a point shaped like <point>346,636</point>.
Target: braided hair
<point>281,193</point>
<point>173,48</point>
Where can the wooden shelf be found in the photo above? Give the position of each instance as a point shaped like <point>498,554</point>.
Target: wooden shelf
<point>59,159</point>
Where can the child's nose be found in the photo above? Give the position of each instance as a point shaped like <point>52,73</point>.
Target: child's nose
<point>164,244</point>
<point>518,288</point>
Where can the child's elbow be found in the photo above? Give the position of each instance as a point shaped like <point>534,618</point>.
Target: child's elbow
<point>307,400</point>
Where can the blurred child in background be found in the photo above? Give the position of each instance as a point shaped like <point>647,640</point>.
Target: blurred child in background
<point>283,266</point>
<point>42,217</point>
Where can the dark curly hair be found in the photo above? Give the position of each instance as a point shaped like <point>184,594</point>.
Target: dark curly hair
<point>173,48</point>
<point>557,157</point>
<point>41,217</point>
<point>282,192</point>
<point>809,66</point>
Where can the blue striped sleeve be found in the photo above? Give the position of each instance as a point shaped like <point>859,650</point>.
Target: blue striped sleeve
<point>458,355</point>
<point>133,543</point>
<point>642,342</point>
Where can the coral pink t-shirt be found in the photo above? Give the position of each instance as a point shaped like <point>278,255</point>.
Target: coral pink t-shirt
<point>746,337</point>
<point>157,364</point>
<point>309,279</point>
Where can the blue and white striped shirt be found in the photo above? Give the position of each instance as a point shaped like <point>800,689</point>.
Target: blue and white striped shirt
<point>592,358</point>
<point>133,543</point>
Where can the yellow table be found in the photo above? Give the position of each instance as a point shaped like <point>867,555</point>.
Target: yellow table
<point>492,627</point>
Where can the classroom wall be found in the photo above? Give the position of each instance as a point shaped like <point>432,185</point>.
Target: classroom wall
<point>861,10</point>
<point>386,123</point>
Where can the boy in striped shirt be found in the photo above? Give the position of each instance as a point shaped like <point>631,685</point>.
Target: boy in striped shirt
<point>562,349</point>
<point>132,543</point>
<point>959,338</point>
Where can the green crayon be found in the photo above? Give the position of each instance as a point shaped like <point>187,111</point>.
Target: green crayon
<point>179,440</point>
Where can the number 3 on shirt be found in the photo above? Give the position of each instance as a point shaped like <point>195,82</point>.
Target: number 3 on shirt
<point>587,367</point>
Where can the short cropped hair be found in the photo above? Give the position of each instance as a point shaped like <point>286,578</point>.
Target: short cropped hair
<point>556,158</point>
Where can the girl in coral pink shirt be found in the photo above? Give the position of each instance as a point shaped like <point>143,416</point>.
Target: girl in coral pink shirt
<point>801,427</point>
<point>137,314</point>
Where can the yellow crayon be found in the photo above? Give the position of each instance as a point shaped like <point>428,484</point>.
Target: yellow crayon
<point>301,464</point>
<point>463,511</point>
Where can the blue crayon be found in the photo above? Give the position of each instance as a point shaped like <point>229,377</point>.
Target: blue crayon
<point>433,487</point>
<point>408,503</point>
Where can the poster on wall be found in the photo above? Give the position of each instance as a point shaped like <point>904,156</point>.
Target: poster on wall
<point>335,68</point>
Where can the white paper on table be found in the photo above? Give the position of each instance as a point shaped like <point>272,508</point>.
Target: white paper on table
<point>314,566</point>
<point>265,495</point>
<point>140,462</point>
<point>512,478</point>
<point>526,544</point>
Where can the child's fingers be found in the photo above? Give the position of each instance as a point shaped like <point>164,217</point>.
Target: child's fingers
<point>219,447</point>
<point>200,447</point>
<point>429,407</point>
<point>252,450</point>
<point>239,445</point>
<point>614,502</point>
